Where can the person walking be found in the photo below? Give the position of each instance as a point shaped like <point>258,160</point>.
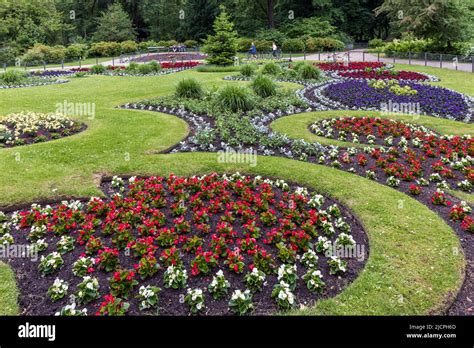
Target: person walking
<point>253,50</point>
<point>274,50</point>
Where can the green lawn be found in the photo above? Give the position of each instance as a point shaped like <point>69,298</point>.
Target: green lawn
<point>415,266</point>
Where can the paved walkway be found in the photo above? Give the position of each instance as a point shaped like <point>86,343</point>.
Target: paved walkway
<point>358,55</point>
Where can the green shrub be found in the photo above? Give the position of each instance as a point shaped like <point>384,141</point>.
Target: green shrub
<point>235,98</point>
<point>264,86</point>
<point>189,88</point>
<point>375,43</point>
<point>171,43</point>
<point>272,35</point>
<point>155,66</point>
<point>55,54</point>
<point>105,49</point>
<point>13,76</point>
<point>144,69</point>
<point>38,52</point>
<point>143,46</point>
<point>309,72</point>
<point>76,51</point>
<point>80,74</point>
<point>247,70</point>
<point>243,44</point>
<point>97,69</point>
<point>191,43</point>
<point>293,45</point>
<point>298,65</point>
<point>128,46</point>
<point>408,45</point>
<point>263,45</point>
<point>271,69</point>
<point>132,67</point>
<point>323,44</point>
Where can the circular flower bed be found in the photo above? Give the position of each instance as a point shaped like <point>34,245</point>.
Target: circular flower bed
<point>210,245</point>
<point>31,127</point>
<point>338,66</point>
<point>33,81</point>
<point>385,74</point>
<point>430,100</point>
<point>411,157</point>
<point>170,57</point>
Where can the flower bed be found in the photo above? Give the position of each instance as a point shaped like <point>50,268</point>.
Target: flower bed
<point>409,157</point>
<point>30,127</point>
<point>327,66</point>
<point>170,57</point>
<point>215,128</point>
<point>34,81</point>
<point>185,245</point>
<point>362,95</point>
<point>385,75</point>
<point>54,73</point>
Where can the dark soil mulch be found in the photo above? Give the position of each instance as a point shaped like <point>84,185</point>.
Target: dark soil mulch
<point>33,287</point>
<point>463,305</point>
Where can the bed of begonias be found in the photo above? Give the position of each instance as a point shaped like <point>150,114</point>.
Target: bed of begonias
<point>33,81</point>
<point>373,71</point>
<point>339,66</point>
<point>31,127</point>
<point>216,244</point>
<point>364,95</point>
<point>385,74</point>
<point>409,157</point>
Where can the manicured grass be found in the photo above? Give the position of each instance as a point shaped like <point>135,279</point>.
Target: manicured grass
<point>412,269</point>
<point>8,291</point>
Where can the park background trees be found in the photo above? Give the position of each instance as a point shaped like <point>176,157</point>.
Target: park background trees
<point>24,23</point>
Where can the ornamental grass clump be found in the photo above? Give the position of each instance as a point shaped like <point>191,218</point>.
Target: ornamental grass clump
<point>189,88</point>
<point>264,87</point>
<point>271,69</point>
<point>309,72</point>
<point>235,98</point>
<point>98,69</point>
<point>247,70</point>
<point>11,77</point>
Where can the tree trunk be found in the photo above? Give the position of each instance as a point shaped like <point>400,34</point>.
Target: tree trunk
<point>270,8</point>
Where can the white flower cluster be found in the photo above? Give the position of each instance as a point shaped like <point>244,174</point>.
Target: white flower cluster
<point>30,123</point>
<point>58,289</point>
<point>345,239</point>
<point>309,259</point>
<point>70,310</point>
<point>175,277</point>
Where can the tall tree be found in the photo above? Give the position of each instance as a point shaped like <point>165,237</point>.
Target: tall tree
<point>163,17</point>
<point>443,21</point>
<point>198,18</point>
<point>114,25</point>
<point>26,22</point>
<point>222,46</point>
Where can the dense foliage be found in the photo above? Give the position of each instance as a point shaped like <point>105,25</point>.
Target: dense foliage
<point>320,25</point>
